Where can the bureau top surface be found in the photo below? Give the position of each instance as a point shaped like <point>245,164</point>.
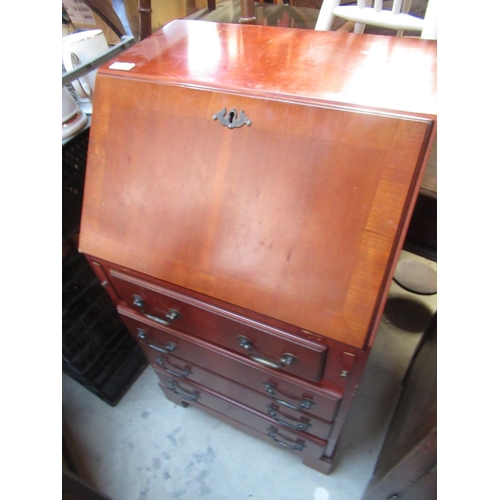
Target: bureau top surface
<point>384,72</point>
<point>297,217</point>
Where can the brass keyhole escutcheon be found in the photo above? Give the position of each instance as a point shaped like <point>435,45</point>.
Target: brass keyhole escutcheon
<point>232,120</point>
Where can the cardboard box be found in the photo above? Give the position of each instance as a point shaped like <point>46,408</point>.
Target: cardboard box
<point>84,18</point>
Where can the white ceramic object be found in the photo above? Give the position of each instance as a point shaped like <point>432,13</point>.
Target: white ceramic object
<point>80,48</point>
<point>73,118</point>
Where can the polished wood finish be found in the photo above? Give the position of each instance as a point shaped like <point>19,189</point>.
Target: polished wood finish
<point>221,326</point>
<point>235,367</point>
<point>219,219</point>
<point>289,64</point>
<point>282,415</point>
<point>335,373</point>
<point>232,409</point>
<point>323,464</point>
<point>285,230</point>
<point>110,269</point>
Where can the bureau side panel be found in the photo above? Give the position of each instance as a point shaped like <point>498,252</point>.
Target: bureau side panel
<point>294,217</point>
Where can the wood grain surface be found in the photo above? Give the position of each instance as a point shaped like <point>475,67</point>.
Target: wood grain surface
<point>300,215</point>
<point>383,72</point>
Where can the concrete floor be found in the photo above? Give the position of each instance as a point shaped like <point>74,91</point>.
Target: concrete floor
<point>147,448</point>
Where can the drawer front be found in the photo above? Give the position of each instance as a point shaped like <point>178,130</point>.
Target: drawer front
<point>266,345</point>
<point>184,392</point>
<point>170,368</point>
<point>276,386</point>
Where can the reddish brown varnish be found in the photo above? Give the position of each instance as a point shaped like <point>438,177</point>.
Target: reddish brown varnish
<point>297,216</point>
<point>286,231</point>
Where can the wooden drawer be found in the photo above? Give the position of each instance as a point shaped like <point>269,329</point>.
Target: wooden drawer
<point>279,387</point>
<point>184,392</point>
<point>267,345</point>
<point>171,368</point>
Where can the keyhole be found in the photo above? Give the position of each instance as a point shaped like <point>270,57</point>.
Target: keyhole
<point>232,115</point>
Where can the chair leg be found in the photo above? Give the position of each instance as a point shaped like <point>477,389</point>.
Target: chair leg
<point>325,17</point>
<point>359,28</point>
<point>429,31</point>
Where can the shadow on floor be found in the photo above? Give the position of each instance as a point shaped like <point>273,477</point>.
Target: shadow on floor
<point>407,314</point>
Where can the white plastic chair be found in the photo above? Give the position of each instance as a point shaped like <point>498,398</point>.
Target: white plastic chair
<point>363,13</point>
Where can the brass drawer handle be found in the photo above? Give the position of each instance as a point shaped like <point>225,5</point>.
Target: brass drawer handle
<point>300,426</point>
<point>189,396</point>
<point>285,360</point>
<point>305,404</point>
<point>272,432</point>
<point>170,317</point>
<point>168,348</point>
<point>183,374</point>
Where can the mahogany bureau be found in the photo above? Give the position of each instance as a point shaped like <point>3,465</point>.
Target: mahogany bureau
<point>247,194</point>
